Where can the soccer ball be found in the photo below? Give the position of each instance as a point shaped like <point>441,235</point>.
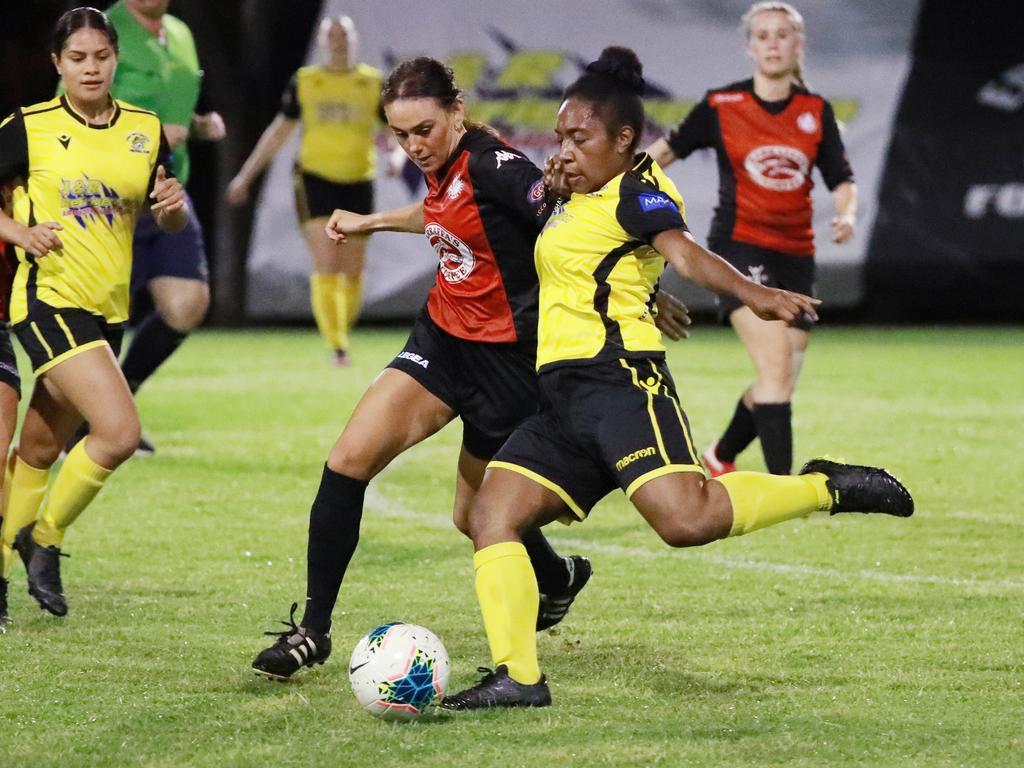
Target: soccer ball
<point>398,670</point>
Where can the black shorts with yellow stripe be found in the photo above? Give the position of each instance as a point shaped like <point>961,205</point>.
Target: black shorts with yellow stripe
<point>51,335</point>
<point>602,426</point>
<point>317,197</point>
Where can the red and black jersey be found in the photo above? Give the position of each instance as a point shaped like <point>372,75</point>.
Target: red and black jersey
<point>766,151</point>
<point>482,213</point>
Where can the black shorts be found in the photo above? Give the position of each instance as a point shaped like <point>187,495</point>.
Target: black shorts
<point>602,426</point>
<point>50,335</point>
<point>8,362</point>
<point>492,387</point>
<point>771,268</point>
<point>316,197</point>
<point>156,253</point>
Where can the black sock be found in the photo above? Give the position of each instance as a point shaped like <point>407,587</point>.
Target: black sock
<point>549,567</point>
<point>154,341</point>
<point>738,435</point>
<point>333,535</point>
<point>775,430</point>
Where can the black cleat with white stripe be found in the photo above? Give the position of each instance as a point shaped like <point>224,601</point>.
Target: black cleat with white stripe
<point>296,647</point>
<point>555,605</point>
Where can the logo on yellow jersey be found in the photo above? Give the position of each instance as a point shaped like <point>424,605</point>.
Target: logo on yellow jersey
<point>138,142</point>
<point>86,199</point>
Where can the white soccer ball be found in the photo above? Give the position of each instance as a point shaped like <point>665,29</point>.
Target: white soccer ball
<point>398,670</point>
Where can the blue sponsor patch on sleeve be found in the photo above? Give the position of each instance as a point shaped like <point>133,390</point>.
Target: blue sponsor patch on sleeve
<point>652,202</point>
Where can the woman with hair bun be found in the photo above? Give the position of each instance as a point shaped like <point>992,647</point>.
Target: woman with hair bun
<point>610,416</point>
<point>768,132</point>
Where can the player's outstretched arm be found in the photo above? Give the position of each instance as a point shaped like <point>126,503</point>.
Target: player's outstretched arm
<point>270,143</point>
<point>661,152</point>
<point>344,223</point>
<point>716,274</point>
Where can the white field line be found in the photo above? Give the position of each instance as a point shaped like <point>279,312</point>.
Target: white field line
<point>386,506</point>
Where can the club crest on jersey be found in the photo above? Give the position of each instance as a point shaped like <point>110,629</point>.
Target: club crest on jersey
<point>503,156</point>
<point>455,259</point>
<point>807,122</point>
<point>456,187</point>
<point>777,167</point>
<point>138,142</point>
<point>651,202</point>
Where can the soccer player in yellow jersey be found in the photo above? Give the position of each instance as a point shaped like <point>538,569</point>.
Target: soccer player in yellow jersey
<point>84,165</point>
<point>610,416</point>
<point>338,106</point>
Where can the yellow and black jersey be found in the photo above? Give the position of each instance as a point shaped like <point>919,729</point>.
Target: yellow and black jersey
<point>90,179</point>
<point>340,113</point>
<point>598,272</point>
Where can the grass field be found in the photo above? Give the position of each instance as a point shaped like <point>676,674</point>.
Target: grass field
<point>852,641</point>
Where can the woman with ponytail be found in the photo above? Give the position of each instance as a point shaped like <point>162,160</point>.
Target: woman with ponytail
<point>768,132</point>
<point>610,416</point>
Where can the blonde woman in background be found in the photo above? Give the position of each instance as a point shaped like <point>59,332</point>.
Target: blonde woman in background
<point>338,106</point>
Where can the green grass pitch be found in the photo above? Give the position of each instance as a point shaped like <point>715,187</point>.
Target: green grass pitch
<point>849,641</point>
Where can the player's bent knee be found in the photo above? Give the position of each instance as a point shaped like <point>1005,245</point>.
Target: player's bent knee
<point>185,313</point>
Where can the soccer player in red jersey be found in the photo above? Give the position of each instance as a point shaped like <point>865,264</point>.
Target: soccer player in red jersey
<point>768,132</point>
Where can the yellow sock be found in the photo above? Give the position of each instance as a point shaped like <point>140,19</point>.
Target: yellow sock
<point>77,484</point>
<point>507,590</point>
<point>759,500</point>
<point>8,474</point>
<point>324,291</point>
<point>353,289</point>
<point>24,495</point>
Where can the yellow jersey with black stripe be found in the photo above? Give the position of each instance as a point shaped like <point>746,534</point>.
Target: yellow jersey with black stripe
<point>90,179</point>
<point>340,114</point>
<point>598,272</point>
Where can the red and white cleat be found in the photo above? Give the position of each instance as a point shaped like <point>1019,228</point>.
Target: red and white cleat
<point>716,466</point>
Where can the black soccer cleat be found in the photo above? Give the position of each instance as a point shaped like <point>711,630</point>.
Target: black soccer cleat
<point>145,447</point>
<point>854,488</point>
<point>555,605</point>
<point>42,564</point>
<point>4,618</point>
<point>497,689</point>
<point>296,647</point>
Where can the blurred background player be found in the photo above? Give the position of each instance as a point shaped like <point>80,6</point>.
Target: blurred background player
<point>768,132</point>
<point>338,106</point>
<point>95,163</point>
<point>610,416</point>
<point>158,69</point>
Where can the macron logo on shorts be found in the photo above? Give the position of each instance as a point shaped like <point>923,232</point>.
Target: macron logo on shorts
<point>652,202</point>
<point>418,359</point>
<point>629,458</point>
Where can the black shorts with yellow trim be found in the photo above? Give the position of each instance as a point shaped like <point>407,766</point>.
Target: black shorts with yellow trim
<point>317,197</point>
<point>491,386</point>
<point>602,426</point>
<point>8,362</point>
<point>51,335</point>
<point>775,269</point>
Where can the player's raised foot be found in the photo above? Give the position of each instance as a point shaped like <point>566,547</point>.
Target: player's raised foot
<point>340,359</point>
<point>296,647</point>
<point>862,489</point>
<point>145,447</point>
<point>554,605</point>
<point>715,465</point>
<point>4,618</point>
<point>42,564</point>
<point>497,689</point>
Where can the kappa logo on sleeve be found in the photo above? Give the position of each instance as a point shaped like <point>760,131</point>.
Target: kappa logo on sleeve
<point>650,202</point>
<point>503,156</point>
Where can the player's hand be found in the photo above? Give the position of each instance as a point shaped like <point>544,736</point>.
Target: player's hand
<point>342,224</point>
<point>209,127</point>
<point>842,228</point>
<point>673,317</point>
<point>554,177</point>
<point>168,194</point>
<point>237,192</point>
<point>787,306</point>
<point>175,133</point>
<point>41,239</point>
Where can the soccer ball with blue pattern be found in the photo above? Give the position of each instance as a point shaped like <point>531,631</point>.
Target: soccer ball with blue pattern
<point>398,671</point>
